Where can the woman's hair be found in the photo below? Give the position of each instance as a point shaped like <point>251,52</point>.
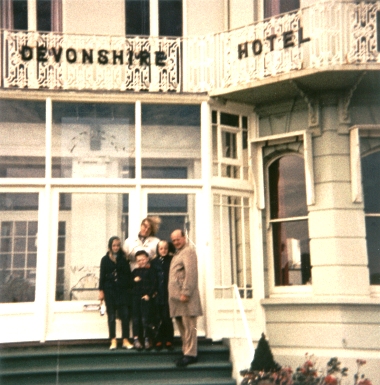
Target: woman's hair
<point>154,223</point>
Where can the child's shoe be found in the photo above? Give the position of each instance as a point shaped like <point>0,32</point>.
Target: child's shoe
<point>169,345</point>
<point>127,344</point>
<point>136,344</point>
<point>158,345</point>
<point>113,345</point>
<point>147,344</point>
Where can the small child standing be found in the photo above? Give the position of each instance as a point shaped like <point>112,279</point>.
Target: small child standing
<point>144,287</point>
<point>161,265</point>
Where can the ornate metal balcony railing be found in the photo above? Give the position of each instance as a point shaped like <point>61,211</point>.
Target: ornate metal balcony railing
<point>59,61</point>
<point>319,37</point>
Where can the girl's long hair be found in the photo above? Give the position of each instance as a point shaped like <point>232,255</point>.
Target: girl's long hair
<point>120,253</point>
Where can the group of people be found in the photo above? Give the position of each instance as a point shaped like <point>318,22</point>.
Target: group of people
<point>152,281</point>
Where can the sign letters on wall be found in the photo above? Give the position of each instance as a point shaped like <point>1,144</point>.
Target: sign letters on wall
<point>257,45</point>
<point>87,56</point>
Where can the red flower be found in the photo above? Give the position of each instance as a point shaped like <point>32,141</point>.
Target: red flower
<point>309,364</point>
<point>331,380</point>
<point>366,381</point>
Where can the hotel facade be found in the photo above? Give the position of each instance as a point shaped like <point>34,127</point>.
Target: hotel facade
<point>252,125</point>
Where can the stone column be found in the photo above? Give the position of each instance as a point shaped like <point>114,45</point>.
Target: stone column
<point>336,224</point>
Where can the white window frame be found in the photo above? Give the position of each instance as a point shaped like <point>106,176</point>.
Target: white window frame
<point>246,254</point>
<point>258,162</point>
<point>356,132</point>
<point>369,131</point>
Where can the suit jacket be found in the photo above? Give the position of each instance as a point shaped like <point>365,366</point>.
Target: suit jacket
<point>183,279</point>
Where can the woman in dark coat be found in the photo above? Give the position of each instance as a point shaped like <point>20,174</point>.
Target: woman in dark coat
<point>115,287</point>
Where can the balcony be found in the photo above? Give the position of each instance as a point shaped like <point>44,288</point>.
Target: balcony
<point>338,40</point>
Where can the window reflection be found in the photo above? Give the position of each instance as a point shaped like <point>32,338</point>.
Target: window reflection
<point>288,218</point>
<point>82,239</point>
<point>171,139</point>
<point>93,140</point>
<point>287,187</point>
<point>177,211</point>
<point>22,145</point>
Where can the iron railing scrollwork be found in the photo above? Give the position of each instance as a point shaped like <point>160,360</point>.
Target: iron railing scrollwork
<point>325,34</point>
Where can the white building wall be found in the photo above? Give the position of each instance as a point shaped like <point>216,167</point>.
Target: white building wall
<point>101,17</point>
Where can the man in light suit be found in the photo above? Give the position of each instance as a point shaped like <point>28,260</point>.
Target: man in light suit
<point>184,298</point>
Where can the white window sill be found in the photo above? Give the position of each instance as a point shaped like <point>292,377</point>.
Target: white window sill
<point>291,291</point>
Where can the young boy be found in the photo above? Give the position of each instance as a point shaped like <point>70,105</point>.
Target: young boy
<point>144,288</point>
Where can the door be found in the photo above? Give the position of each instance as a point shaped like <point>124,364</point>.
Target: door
<point>83,224</point>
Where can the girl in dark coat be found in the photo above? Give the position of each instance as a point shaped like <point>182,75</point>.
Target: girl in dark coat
<point>115,287</point>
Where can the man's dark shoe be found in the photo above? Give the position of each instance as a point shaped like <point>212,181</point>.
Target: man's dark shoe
<point>186,360</point>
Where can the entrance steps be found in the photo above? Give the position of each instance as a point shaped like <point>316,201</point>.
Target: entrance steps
<point>84,362</point>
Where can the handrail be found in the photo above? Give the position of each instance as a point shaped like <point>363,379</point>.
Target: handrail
<point>244,320</point>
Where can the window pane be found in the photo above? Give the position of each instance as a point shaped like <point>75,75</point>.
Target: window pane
<point>177,211</point>
<point>373,248</point>
<point>44,15</point>
<point>291,253</point>
<point>287,187</point>
<point>83,233</point>
<point>170,17</point>
<point>232,246</point>
<point>275,7</point>
<point>22,145</point>
<point>229,119</point>
<point>137,17</point>
<point>18,202</point>
<point>171,139</point>
<point>93,140</point>
<point>371,182</point>
<point>20,14</point>
<point>18,248</point>
<point>229,146</point>
<point>371,185</point>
